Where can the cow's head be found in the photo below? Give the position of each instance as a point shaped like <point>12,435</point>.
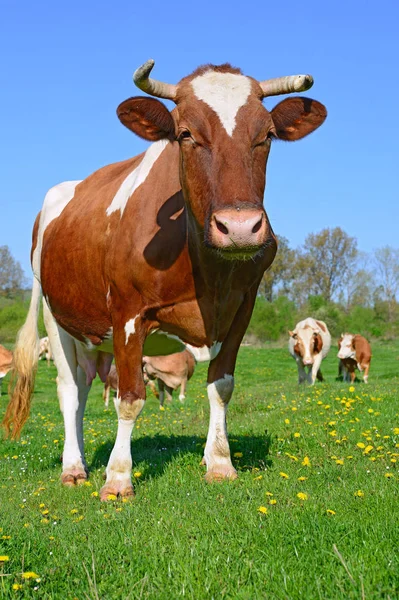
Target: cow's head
<point>225,134</point>
<point>308,343</point>
<point>346,346</point>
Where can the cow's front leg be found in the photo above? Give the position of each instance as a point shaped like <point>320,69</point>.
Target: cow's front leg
<point>217,450</point>
<point>315,368</point>
<point>128,343</point>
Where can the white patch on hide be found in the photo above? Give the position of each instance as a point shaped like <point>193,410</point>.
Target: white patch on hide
<point>130,328</point>
<point>136,177</point>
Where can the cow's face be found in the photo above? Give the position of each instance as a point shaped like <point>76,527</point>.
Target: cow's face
<point>225,134</point>
<point>346,346</point>
<point>308,343</point>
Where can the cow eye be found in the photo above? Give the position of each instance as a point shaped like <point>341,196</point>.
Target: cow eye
<point>184,135</point>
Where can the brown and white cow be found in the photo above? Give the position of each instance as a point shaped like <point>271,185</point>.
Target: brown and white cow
<point>354,352</point>
<point>45,350</point>
<point>6,359</point>
<point>170,372</point>
<point>309,344</point>
<point>170,245</point>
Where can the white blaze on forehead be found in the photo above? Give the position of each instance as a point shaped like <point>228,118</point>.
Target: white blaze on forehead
<point>54,203</point>
<point>130,328</point>
<point>225,93</point>
<point>136,177</point>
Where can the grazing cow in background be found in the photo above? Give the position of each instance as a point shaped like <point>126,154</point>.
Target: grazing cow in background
<point>45,350</point>
<point>164,248</point>
<point>354,353</point>
<point>111,383</point>
<point>309,343</point>
<point>6,359</point>
<point>170,372</point>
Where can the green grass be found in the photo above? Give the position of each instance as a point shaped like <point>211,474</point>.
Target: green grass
<point>182,538</point>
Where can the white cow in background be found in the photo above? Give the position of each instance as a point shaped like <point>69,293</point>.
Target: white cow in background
<point>309,343</point>
<point>45,350</point>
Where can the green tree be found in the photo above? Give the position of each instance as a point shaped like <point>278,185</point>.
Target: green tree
<point>12,277</point>
<point>280,273</point>
<point>323,265</point>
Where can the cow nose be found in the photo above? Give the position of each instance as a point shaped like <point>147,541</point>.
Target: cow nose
<point>234,229</point>
<point>308,362</point>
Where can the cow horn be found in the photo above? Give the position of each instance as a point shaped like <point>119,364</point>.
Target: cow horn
<point>286,85</point>
<point>152,86</point>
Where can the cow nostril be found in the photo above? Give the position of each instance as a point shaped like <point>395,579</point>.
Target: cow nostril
<point>257,226</point>
<point>222,228</point>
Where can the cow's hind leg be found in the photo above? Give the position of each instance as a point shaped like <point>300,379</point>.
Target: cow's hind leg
<point>182,395</point>
<point>319,375</point>
<point>72,402</point>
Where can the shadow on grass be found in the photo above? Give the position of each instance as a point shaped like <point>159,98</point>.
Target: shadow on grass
<point>159,450</point>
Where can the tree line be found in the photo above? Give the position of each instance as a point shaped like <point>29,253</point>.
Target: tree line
<point>327,277</point>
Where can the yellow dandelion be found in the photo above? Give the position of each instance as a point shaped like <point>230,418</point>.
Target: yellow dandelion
<point>238,455</point>
<point>111,497</point>
<point>258,477</point>
<point>14,457</point>
<point>284,475</point>
<point>45,512</point>
<point>17,586</point>
<point>359,494</point>
<point>330,512</point>
<point>297,434</point>
<point>29,575</point>
<point>339,461</point>
<point>368,449</point>
<point>395,430</point>
<point>137,474</point>
<point>389,475</point>
<point>161,408</point>
<point>262,509</point>
<point>361,445</point>
<point>302,478</point>
<point>4,558</point>
<point>306,461</point>
<point>273,501</point>
<point>74,511</point>
<point>87,484</point>
<point>351,389</point>
<point>94,494</point>
<point>287,421</point>
<point>268,494</point>
<point>44,521</point>
<point>5,537</point>
<point>302,496</point>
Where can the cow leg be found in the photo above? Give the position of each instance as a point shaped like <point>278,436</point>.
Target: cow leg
<point>74,470</point>
<point>315,368</point>
<point>302,377</point>
<point>366,373</point>
<point>129,336</point>
<point>182,395</point>
<point>319,375</point>
<point>161,388</point>
<point>169,393</point>
<point>106,394</point>
<point>220,389</point>
<point>353,376</point>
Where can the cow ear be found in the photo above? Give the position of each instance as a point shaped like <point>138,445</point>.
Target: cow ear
<point>148,118</point>
<point>296,117</point>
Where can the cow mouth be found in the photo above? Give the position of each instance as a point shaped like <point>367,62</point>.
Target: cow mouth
<point>237,253</point>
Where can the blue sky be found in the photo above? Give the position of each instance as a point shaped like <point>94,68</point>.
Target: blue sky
<point>65,67</point>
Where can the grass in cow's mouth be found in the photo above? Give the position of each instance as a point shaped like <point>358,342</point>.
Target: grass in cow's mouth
<point>311,515</point>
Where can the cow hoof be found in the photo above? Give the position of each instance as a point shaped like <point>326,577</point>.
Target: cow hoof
<point>220,473</point>
<point>73,477</point>
<point>203,462</point>
<point>110,491</point>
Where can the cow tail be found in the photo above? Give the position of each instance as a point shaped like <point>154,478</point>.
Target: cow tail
<point>23,374</point>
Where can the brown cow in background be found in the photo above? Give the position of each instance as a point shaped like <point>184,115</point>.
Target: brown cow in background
<point>6,358</point>
<point>354,353</point>
<point>170,372</point>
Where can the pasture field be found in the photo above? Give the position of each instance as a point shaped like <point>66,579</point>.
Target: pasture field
<point>314,513</point>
